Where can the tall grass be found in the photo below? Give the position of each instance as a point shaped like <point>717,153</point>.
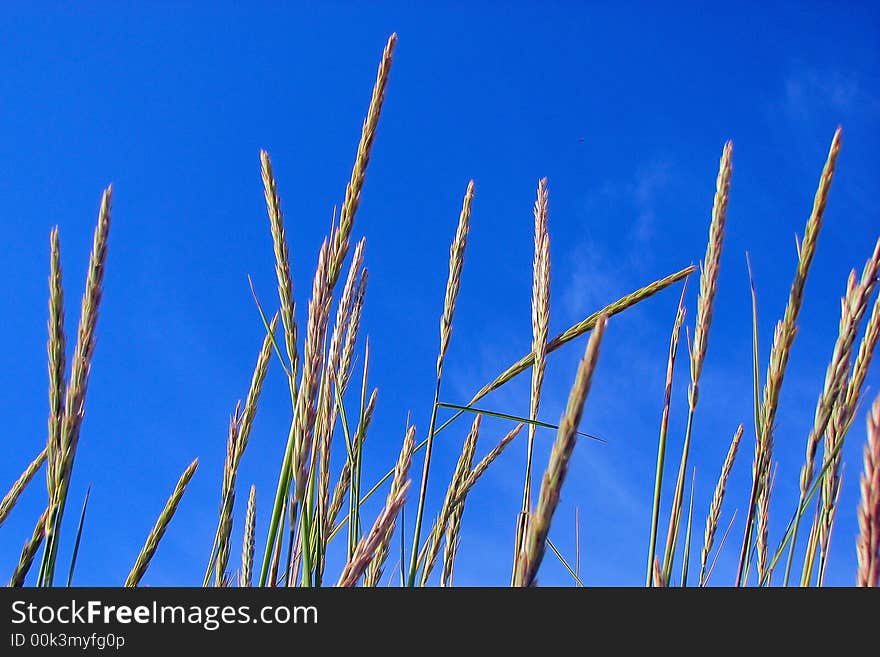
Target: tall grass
<point>327,409</point>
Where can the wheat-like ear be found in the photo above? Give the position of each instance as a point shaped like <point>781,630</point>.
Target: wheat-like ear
<point>462,469</point>
<point>366,547</point>
<point>20,484</point>
<point>328,408</point>
<point>57,362</point>
<point>313,360</point>
<point>783,339</point>
<point>152,542</point>
<point>341,236</point>
<point>852,308</point>
<point>237,441</point>
<point>282,265</point>
<point>401,474</point>
<point>540,330</point>
<point>717,500</point>
<point>453,284</point>
<point>705,304</point>
<point>554,477</point>
<point>64,447</point>
<point>29,551</point>
<point>843,416</point>
<point>249,541</point>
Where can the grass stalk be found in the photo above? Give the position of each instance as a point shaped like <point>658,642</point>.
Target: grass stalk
<point>560,457</point>
<point>155,535</point>
<point>453,284</point>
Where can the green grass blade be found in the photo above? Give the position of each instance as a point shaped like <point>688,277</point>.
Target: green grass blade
<point>79,529</point>
<point>515,418</point>
<point>571,571</point>
<point>687,535</point>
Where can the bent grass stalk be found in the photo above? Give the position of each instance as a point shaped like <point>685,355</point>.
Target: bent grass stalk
<point>10,499</point>
<point>29,551</point>
<point>560,457</point>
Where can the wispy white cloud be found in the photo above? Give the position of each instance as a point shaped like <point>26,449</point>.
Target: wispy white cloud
<point>810,92</point>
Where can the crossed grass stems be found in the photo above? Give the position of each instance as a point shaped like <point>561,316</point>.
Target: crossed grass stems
<point>308,500</point>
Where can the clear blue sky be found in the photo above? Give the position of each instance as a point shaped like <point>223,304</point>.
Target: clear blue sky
<point>624,107</point>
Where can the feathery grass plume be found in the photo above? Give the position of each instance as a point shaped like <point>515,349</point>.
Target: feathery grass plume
<point>401,474</point>
<point>152,542</point>
<point>462,470</point>
<point>313,356</point>
<point>333,256</point>
<point>341,236</point>
<point>820,579</point>
<point>705,301</point>
<point>453,284</point>
<point>29,551</point>
<point>852,308</point>
<point>717,500</point>
<point>450,550</point>
<point>453,529</point>
<point>220,550</point>
<point>763,523</point>
<point>367,546</point>
<point>74,402</point>
<point>554,476</point>
<point>783,339</point>
<point>327,417</point>
<point>303,425</point>
<point>540,330</point>
<point>248,542</point>
<point>540,321</point>
<point>282,266</point>
<point>343,371</point>
<point>868,542</point>
<point>664,427</point>
<point>20,484</point>
<point>239,435</point>
<point>842,418</point>
<point>55,347</point>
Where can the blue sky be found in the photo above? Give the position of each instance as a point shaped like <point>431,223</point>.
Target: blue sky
<point>624,107</point>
